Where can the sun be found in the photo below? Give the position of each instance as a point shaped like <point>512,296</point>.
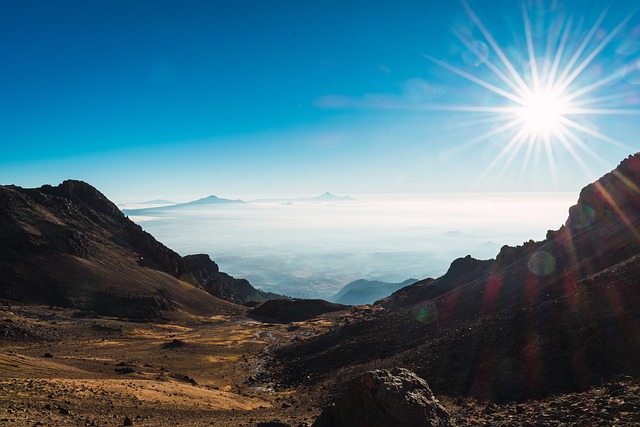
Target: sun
<point>546,98</point>
<point>543,112</point>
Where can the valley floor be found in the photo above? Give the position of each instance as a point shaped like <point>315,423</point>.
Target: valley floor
<point>64,367</point>
<point>60,367</point>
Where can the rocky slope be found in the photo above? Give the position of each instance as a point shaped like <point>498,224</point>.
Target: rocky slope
<point>553,316</point>
<point>293,310</point>
<point>69,245</point>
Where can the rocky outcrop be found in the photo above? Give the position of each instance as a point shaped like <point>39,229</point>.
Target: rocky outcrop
<point>203,271</point>
<point>460,272</point>
<point>384,398</point>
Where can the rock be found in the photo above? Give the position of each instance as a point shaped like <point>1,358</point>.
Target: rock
<point>47,355</point>
<point>127,422</point>
<point>272,424</point>
<point>174,344</point>
<point>385,398</point>
<point>185,378</point>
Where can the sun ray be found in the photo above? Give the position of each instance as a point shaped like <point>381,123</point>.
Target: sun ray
<point>497,131</point>
<point>550,158</point>
<point>531,50</point>
<point>572,151</point>
<point>512,144</point>
<point>614,97</point>
<point>464,108</point>
<point>623,216</point>
<point>602,112</point>
<point>502,76</point>
<point>492,119</point>
<point>531,144</point>
<point>593,86</point>
<point>513,153</point>
<point>496,48</point>
<point>593,133</point>
<point>474,79</point>
<point>558,56</point>
<point>565,83</point>
<point>584,147</point>
<point>578,53</point>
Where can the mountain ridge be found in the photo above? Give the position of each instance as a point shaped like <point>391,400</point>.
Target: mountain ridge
<point>69,245</point>
<point>211,200</point>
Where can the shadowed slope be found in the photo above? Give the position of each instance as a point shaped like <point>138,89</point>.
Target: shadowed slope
<point>544,317</point>
<point>69,245</point>
<point>293,310</point>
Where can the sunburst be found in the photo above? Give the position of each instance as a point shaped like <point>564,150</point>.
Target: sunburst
<point>543,104</point>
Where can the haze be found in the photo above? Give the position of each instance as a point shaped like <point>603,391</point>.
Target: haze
<point>312,249</point>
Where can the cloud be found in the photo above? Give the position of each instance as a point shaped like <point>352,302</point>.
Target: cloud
<point>413,92</point>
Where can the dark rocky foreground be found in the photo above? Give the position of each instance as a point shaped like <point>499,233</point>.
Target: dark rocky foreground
<point>64,367</point>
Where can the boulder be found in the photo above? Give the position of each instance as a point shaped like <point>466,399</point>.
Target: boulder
<point>385,398</point>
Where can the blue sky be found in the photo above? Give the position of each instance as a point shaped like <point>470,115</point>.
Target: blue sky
<point>147,99</point>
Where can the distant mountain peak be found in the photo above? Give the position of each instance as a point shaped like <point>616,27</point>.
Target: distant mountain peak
<point>212,199</point>
<point>329,197</point>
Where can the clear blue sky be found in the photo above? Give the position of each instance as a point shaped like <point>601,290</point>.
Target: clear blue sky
<point>150,98</point>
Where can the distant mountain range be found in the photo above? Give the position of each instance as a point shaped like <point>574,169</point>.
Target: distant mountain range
<point>212,201</point>
<point>360,292</point>
<point>200,203</point>
<point>69,245</point>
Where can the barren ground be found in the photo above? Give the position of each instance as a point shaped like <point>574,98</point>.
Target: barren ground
<point>60,367</point>
<point>63,367</point>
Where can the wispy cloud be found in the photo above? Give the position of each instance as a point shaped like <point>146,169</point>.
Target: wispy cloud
<point>412,93</point>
